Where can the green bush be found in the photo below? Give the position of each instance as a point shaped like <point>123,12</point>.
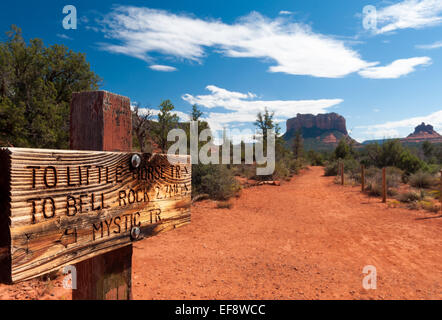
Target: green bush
<point>247,171</point>
<point>410,162</point>
<point>281,171</point>
<point>296,165</point>
<point>217,181</point>
<point>315,158</point>
<point>331,169</point>
<point>434,169</point>
<point>343,150</point>
<point>351,168</point>
<point>285,168</point>
<point>392,154</point>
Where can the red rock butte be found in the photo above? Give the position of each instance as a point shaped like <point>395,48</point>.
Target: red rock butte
<point>329,121</point>
<point>423,133</point>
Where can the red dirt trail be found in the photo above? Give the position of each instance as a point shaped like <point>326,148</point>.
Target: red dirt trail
<point>307,239</point>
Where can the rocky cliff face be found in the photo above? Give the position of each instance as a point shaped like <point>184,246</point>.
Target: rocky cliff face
<point>321,122</point>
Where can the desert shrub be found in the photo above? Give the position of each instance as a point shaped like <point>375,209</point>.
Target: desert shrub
<point>413,205</point>
<point>296,165</point>
<point>247,171</point>
<point>394,177</point>
<point>352,169</point>
<point>434,169</point>
<point>430,206</point>
<point>407,197</point>
<point>434,193</point>
<point>224,205</point>
<point>372,172</point>
<point>373,177</point>
<point>285,168</point>
<point>281,171</point>
<point>331,169</point>
<point>410,162</point>
<point>373,187</point>
<point>315,158</point>
<point>421,179</point>
<point>343,150</point>
<point>392,154</point>
<point>217,181</point>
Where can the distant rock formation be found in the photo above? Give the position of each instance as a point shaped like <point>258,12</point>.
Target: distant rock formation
<point>321,122</point>
<point>320,132</point>
<point>422,133</point>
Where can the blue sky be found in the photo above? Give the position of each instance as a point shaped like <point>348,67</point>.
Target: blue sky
<point>233,58</point>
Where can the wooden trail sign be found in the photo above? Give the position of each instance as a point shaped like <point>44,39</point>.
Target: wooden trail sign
<point>58,208</point>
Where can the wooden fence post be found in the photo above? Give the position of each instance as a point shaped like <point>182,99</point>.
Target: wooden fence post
<point>342,174</point>
<point>363,178</point>
<point>384,185</point>
<point>102,121</point>
<point>440,191</point>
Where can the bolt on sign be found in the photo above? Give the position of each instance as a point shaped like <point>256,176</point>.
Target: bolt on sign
<point>58,208</point>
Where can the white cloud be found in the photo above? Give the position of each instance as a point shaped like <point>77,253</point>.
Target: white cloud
<point>64,36</point>
<point>435,45</point>
<point>162,68</point>
<point>154,112</point>
<point>285,12</point>
<point>290,47</point>
<point>243,107</point>
<point>395,69</point>
<point>392,129</point>
<point>415,14</point>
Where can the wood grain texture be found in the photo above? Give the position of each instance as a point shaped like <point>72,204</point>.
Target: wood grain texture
<point>105,277</point>
<point>100,121</point>
<point>68,206</point>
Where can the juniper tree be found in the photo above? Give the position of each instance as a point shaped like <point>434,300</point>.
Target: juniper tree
<point>36,85</point>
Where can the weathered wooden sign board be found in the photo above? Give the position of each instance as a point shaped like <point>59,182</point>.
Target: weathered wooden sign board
<point>58,208</point>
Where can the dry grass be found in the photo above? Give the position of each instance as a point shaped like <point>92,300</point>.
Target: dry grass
<point>224,205</point>
<point>422,180</point>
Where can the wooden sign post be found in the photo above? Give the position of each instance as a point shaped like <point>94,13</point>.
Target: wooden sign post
<point>384,185</point>
<point>103,122</point>
<point>363,178</point>
<point>85,208</point>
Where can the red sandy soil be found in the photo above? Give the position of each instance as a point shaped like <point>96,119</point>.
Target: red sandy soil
<point>308,239</point>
